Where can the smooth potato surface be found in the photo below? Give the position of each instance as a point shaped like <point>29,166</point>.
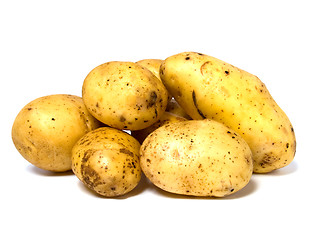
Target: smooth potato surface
<point>46,129</point>
<point>206,87</point>
<point>124,95</point>
<point>197,157</point>
<point>106,160</point>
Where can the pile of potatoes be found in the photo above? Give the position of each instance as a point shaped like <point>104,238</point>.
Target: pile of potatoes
<point>193,124</point>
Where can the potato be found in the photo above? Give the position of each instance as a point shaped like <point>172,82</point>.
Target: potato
<point>124,95</point>
<point>107,161</point>
<point>175,108</point>
<point>152,65</point>
<point>197,157</point>
<point>46,129</point>
<point>206,87</point>
<point>167,117</point>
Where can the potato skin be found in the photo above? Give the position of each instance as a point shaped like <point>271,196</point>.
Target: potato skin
<point>46,129</point>
<point>124,95</point>
<point>106,160</point>
<point>152,65</point>
<point>206,87</point>
<point>167,117</point>
<point>197,157</point>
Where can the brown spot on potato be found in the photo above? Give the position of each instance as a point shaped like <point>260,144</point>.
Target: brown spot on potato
<point>268,159</point>
<point>87,155</point>
<point>126,151</point>
<point>195,104</point>
<point>152,99</point>
<point>122,119</point>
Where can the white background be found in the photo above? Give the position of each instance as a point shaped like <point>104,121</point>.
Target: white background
<point>48,47</point>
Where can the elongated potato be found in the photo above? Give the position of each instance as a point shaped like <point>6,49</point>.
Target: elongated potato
<point>206,87</point>
<point>197,157</point>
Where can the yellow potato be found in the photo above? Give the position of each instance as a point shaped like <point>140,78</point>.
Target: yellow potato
<point>206,87</point>
<point>152,65</point>
<point>107,161</point>
<point>46,129</point>
<point>197,157</point>
<point>124,95</point>
<point>167,117</point>
<point>175,108</point>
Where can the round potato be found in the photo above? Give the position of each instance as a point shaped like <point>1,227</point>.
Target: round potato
<point>46,129</point>
<point>167,117</point>
<point>197,157</point>
<point>106,160</point>
<point>124,95</point>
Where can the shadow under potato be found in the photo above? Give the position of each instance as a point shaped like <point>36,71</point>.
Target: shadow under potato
<point>146,185</point>
<point>247,190</point>
<point>45,173</point>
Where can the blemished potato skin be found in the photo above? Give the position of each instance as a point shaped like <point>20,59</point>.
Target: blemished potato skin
<point>206,87</point>
<point>167,117</point>
<point>46,129</point>
<point>198,158</point>
<point>106,160</point>
<point>175,108</point>
<point>124,95</point>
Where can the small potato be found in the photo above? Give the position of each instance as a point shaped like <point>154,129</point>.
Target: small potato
<point>175,108</point>
<point>107,161</point>
<point>197,157</point>
<point>167,117</point>
<point>206,87</point>
<point>124,95</point>
<point>46,129</point>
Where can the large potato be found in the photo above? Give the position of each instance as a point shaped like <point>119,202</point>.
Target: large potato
<point>167,117</point>
<point>206,87</point>
<point>124,95</point>
<point>107,161</point>
<point>197,157</point>
<point>46,129</point>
